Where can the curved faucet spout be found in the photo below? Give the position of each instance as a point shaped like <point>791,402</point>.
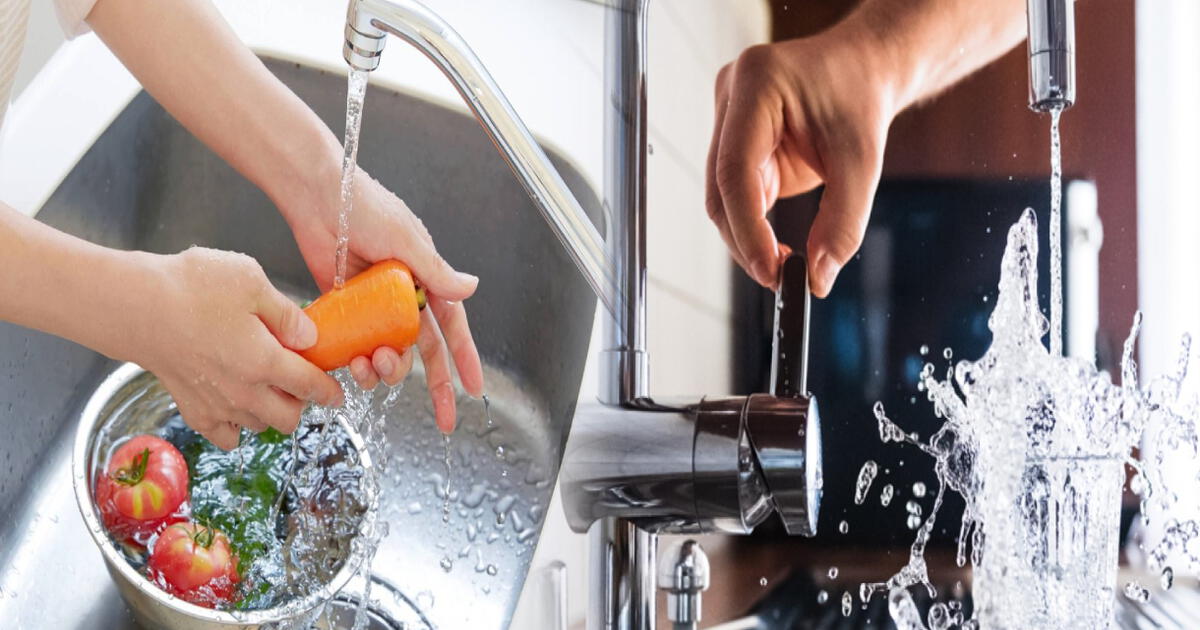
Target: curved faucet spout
<point>367,24</point>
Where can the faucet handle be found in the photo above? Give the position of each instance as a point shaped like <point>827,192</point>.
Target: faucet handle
<point>789,344</point>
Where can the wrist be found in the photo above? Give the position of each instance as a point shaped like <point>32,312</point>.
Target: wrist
<point>312,184</point>
<point>128,304</point>
<point>879,54</point>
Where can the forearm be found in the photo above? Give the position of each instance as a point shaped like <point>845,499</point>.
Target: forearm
<point>925,46</point>
<point>59,284</point>
<point>190,60</point>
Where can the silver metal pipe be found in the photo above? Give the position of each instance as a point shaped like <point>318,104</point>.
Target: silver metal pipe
<point>622,595</point>
<point>624,378</point>
<point>1051,54</point>
<point>367,24</point>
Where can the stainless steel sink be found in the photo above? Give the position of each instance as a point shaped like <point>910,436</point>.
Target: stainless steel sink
<point>147,184</point>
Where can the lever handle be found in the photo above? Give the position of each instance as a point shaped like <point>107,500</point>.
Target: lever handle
<point>789,345</point>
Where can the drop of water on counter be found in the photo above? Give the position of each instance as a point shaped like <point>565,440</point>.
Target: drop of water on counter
<point>1167,579</point>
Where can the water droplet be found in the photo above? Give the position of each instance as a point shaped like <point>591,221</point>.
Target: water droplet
<point>1136,592</point>
<point>1168,579</point>
<point>447,564</point>
<point>762,581</point>
<point>885,495</point>
<point>822,596</point>
<point>847,603</point>
<point>918,489</point>
<point>924,350</point>
<point>833,573</point>
<point>844,527</point>
<point>866,475</point>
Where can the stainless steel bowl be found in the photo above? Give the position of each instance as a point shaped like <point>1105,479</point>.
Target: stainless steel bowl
<point>130,400</point>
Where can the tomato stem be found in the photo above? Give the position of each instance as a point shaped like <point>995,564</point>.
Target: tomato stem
<point>135,472</point>
<point>204,536</point>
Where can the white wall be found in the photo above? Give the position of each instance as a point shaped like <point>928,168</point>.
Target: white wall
<point>1168,155</point>
<point>41,40</point>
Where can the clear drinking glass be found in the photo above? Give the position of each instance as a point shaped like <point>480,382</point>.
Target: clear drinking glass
<point>1050,545</point>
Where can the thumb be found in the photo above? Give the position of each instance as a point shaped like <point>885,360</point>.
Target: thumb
<point>837,231</point>
<point>286,320</point>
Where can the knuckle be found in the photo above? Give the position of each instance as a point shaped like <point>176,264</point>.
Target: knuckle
<point>755,58</point>
<point>729,173</point>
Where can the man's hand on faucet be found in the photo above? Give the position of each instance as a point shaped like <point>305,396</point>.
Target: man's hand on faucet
<point>793,115</point>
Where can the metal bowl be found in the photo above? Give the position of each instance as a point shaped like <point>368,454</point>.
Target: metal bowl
<point>131,400</point>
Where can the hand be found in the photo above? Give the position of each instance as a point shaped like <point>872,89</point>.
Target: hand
<point>220,339</point>
<point>382,227</point>
<point>790,116</point>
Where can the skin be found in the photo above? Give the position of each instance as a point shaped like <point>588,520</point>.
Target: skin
<point>209,324</point>
<point>793,115</point>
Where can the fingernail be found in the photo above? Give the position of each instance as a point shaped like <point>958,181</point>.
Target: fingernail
<point>825,273</point>
<point>467,279</point>
<point>386,365</point>
<point>306,336</point>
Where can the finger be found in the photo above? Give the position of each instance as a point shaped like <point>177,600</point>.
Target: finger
<point>224,435</point>
<point>452,320</point>
<point>290,325</point>
<point>277,409</point>
<point>303,380</point>
<point>753,124</point>
<point>389,365</point>
<point>435,274</point>
<point>364,374</point>
<point>712,192</point>
<point>837,231</point>
<point>249,421</point>
<point>437,371</point>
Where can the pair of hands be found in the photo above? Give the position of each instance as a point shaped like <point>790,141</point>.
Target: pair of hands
<point>224,337</point>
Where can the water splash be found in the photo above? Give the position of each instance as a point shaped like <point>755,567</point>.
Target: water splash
<point>866,476</point>
<point>1036,443</point>
<point>356,90</point>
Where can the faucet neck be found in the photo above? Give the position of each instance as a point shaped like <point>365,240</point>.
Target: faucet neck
<point>624,373</point>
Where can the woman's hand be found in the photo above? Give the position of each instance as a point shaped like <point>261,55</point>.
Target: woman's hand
<point>220,338</point>
<point>382,227</point>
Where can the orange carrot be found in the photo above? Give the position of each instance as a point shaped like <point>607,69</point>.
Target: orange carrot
<point>379,307</point>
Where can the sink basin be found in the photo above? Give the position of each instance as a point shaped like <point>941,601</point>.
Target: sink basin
<point>147,184</point>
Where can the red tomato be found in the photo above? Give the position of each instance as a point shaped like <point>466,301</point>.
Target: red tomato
<point>194,563</point>
<point>143,488</point>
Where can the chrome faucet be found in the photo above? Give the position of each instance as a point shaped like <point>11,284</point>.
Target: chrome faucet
<point>1051,54</point>
<point>635,467</point>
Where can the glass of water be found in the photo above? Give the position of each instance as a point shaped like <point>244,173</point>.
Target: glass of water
<point>1050,545</point>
